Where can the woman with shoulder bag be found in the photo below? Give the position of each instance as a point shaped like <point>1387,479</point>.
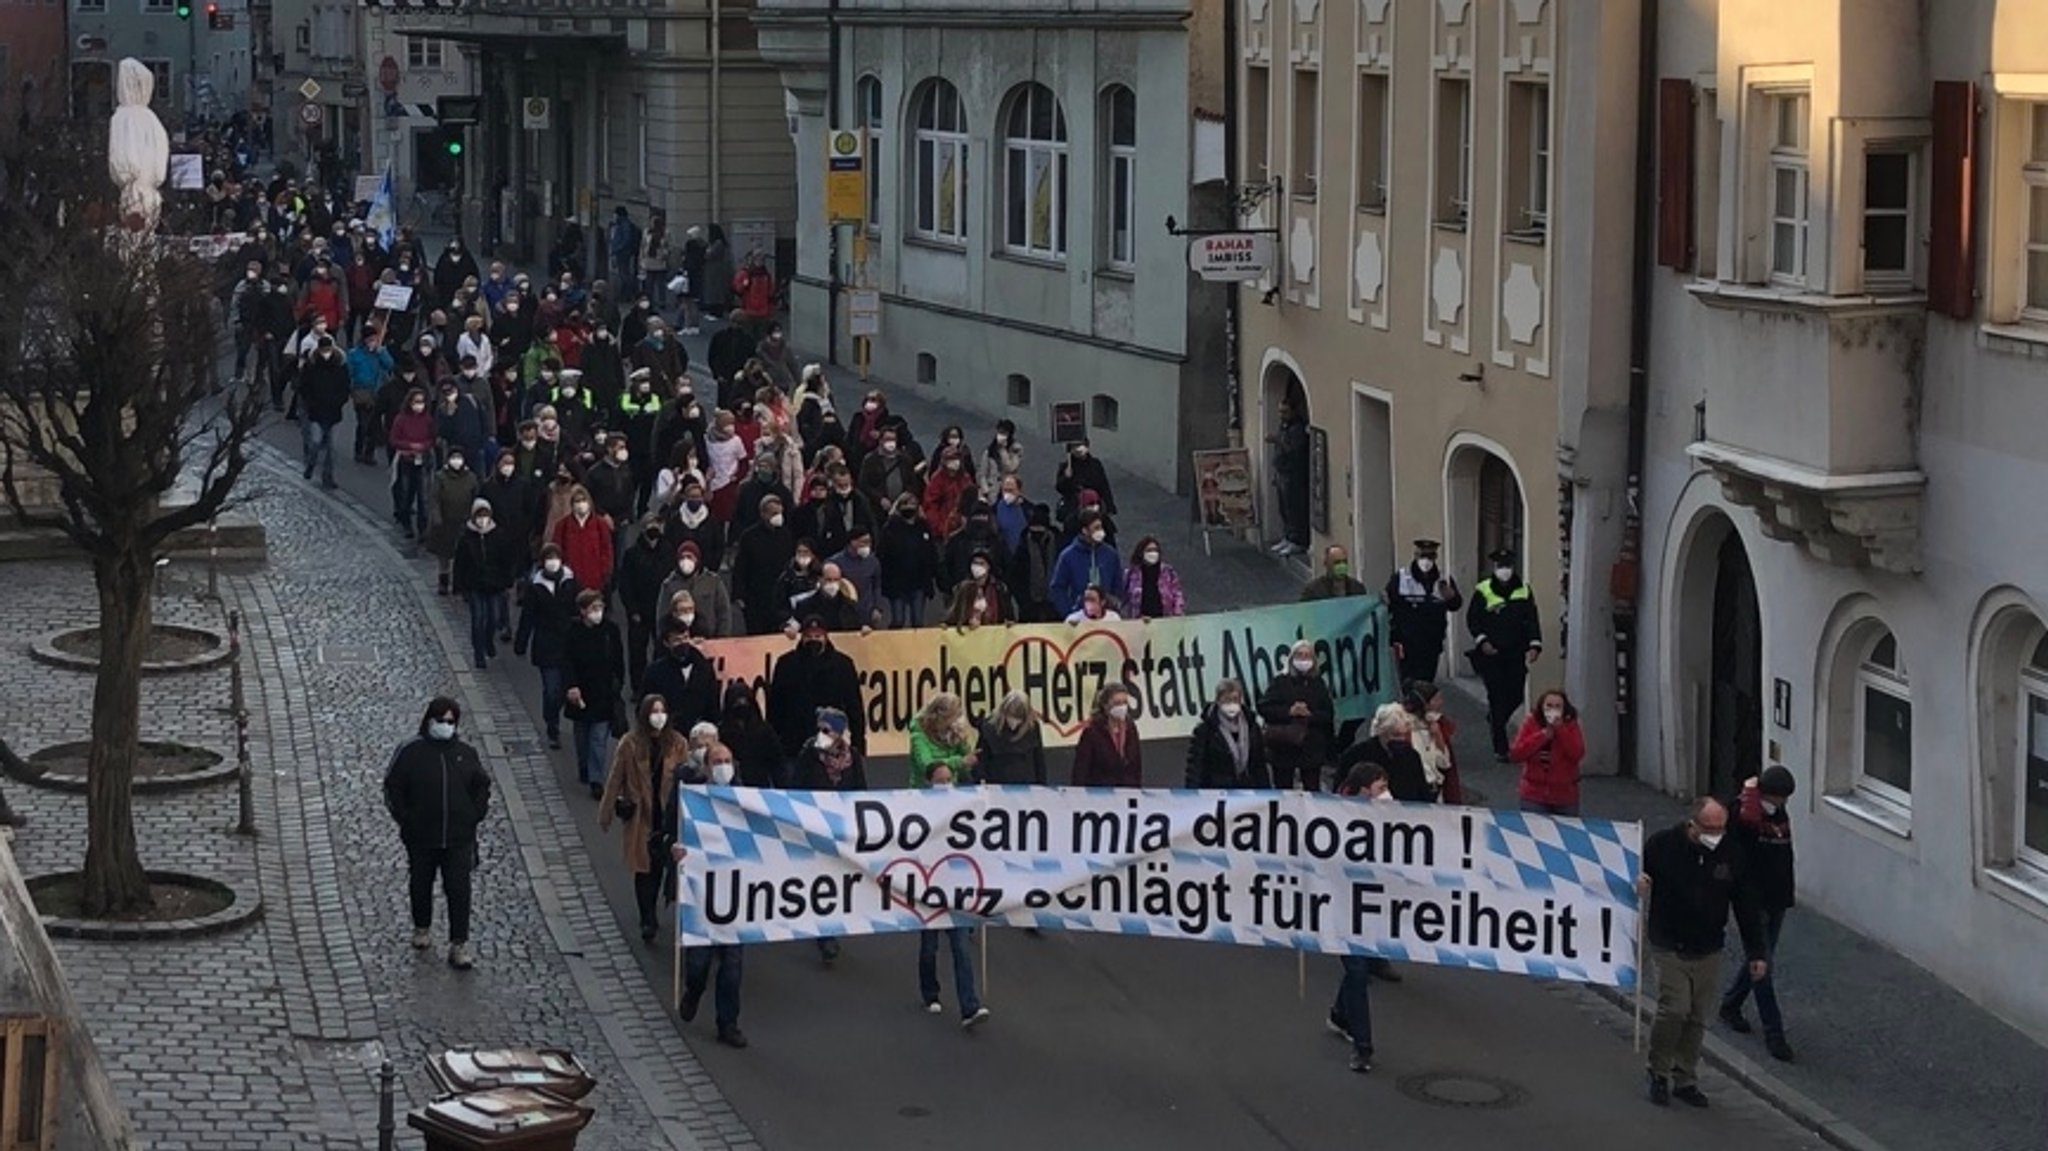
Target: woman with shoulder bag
<point>1300,717</point>
<point>637,791</point>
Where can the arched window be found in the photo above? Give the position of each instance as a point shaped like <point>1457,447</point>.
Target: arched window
<point>867,103</point>
<point>1120,114</point>
<point>939,204</point>
<point>2031,835</point>
<point>1884,721</point>
<point>1035,174</point>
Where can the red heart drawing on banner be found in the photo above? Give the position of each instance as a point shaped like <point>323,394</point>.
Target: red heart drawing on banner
<point>926,883</point>
<point>1064,655</point>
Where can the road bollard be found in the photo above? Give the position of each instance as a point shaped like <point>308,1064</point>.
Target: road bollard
<point>387,1126</point>
<point>245,779</point>
<point>212,561</point>
<point>235,704</point>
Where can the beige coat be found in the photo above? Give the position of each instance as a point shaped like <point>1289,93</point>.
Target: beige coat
<point>629,778</point>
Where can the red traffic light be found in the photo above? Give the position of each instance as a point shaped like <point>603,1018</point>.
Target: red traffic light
<point>212,10</point>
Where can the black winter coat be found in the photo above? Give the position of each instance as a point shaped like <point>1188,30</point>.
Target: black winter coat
<point>612,489</point>
<point>546,614</point>
<point>910,559</point>
<point>1406,779</point>
<point>438,791</point>
<point>1281,695</point>
<point>1078,474</point>
<point>640,573</point>
<point>691,698</point>
<point>762,555</point>
<point>1210,764</point>
<point>1692,890</point>
<point>594,663</point>
<point>806,680</point>
<point>489,561</point>
<point>811,775</point>
<point>515,506</point>
<point>323,390</point>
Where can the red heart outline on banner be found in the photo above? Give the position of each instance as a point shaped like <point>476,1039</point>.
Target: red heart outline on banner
<point>927,915</point>
<point>1064,656</point>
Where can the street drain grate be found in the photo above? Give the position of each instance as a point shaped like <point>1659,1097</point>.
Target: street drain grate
<point>521,747</point>
<point>914,1112</point>
<point>1461,1090</point>
<point>347,654</point>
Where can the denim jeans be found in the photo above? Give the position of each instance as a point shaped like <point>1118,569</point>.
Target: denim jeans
<point>409,495</point>
<point>484,607</point>
<point>319,443</point>
<point>1353,1008</point>
<point>907,612</point>
<point>593,739</point>
<point>1568,809</point>
<point>963,967</point>
<point>1765,988</point>
<point>731,959</point>
<point>552,689</point>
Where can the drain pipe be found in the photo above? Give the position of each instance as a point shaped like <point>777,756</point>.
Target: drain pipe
<point>1233,299</point>
<point>835,281</point>
<point>717,140</point>
<point>1625,579</point>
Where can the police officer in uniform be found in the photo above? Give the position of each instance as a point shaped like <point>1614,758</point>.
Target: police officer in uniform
<point>1506,639</point>
<point>1420,599</point>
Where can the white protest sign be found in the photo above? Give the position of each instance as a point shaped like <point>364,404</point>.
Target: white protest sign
<point>188,171</point>
<point>395,297</point>
<point>1456,886</point>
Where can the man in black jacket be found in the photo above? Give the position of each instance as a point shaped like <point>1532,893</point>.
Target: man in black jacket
<point>1506,638</point>
<point>594,672</point>
<point>1692,878</point>
<point>683,678</point>
<point>1763,827</point>
<point>641,570</point>
<point>815,675</point>
<point>323,397</point>
<point>1420,598</point>
<point>438,792</point>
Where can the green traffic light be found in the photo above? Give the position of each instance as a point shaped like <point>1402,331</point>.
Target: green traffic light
<point>455,147</point>
<point>184,10</point>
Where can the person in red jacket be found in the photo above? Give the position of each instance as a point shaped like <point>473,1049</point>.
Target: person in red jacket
<point>322,299</point>
<point>949,480</point>
<point>1109,753</point>
<point>585,538</point>
<point>754,286</point>
<point>1549,747</point>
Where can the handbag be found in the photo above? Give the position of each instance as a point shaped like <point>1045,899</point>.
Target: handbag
<point>624,807</point>
<point>1293,734</point>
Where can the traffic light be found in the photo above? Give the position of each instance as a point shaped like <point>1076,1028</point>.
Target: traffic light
<point>218,20</point>
<point>184,9</point>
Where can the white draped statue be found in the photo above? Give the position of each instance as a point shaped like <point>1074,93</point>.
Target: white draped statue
<point>138,148</point>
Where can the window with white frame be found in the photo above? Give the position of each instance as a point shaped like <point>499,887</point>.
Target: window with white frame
<point>1035,174</point>
<point>1528,159</point>
<point>1120,110</point>
<point>2031,833</point>
<point>421,52</point>
<point>1453,151</point>
<point>939,209</point>
<point>1374,136</point>
<point>1258,123</point>
<point>1884,723</point>
<point>867,101</point>
<point>2034,297</point>
<point>1890,174</point>
<point>1307,150</point>
<point>1786,118</point>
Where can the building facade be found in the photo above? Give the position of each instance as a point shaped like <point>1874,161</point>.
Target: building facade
<point>1449,301</point>
<point>406,76</point>
<point>320,43</point>
<point>1020,258</point>
<point>33,51</point>
<point>201,57</point>
<point>1842,527</point>
<point>645,104</point>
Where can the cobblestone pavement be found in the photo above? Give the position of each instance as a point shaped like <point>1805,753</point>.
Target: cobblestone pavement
<point>269,1037</point>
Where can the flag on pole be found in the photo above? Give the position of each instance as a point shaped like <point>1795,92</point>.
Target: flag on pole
<point>383,218</point>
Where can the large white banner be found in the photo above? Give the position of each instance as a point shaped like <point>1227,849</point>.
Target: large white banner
<point>1457,886</point>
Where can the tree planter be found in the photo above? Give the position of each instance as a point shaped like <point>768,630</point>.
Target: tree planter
<point>172,648</point>
<point>160,766</point>
<point>189,906</point>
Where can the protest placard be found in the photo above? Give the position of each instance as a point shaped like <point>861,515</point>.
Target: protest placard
<point>1455,886</point>
<point>394,297</point>
<point>1171,665</point>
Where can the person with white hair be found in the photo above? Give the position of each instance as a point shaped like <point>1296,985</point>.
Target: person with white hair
<point>1300,717</point>
<point>1389,743</point>
<point>812,401</point>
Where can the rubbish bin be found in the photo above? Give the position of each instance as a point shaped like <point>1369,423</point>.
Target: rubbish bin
<point>550,1069</point>
<point>507,1119</point>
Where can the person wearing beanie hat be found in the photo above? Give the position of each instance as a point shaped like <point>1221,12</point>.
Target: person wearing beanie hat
<point>980,598</point>
<point>1087,501</point>
<point>815,675</point>
<point>642,569</point>
<point>1763,825</point>
<point>683,677</point>
<point>449,503</point>
<point>487,561</point>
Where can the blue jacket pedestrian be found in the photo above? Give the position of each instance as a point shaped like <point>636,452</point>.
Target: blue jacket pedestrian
<point>1087,562</point>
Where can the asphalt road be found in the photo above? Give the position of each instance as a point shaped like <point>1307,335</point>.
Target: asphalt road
<point>1100,1041</point>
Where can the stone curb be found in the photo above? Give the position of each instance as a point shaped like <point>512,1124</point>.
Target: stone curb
<point>237,913</point>
<point>43,648</point>
<point>1794,1104</point>
<point>221,772</point>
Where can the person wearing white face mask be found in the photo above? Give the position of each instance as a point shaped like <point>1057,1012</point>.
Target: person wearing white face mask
<point>1763,826</point>
<point>1228,749</point>
<point>1549,748</point>
<point>638,791</point>
<point>438,792</point>
<point>1300,716</point>
<point>693,576</point>
<point>1507,637</point>
<point>1110,752</point>
<point>594,675</point>
<point>1088,562</point>
<point>547,613</point>
<point>1420,598</point>
<point>1011,747</point>
<point>1692,879</point>
<point>720,771</point>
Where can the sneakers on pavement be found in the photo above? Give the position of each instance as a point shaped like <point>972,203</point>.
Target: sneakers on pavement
<point>1362,1064</point>
<point>934,1008</point>
<point>975,1020</point>
<point>460,957</point>
<point>422,938</point>
<point>1690,1095</point>
<point>1336,1027</point>
<point>1733,1017</point>
<point>1779,1049</point>
<point>1660,1091</point>
<point>733,1037</point>
<point>691,997</point>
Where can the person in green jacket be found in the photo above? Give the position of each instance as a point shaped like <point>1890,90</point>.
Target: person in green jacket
<point>942,755</point>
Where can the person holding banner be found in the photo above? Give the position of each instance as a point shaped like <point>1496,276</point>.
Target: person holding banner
<point>1300,716</point>
<point>1011,748</point>
<point>1228,750</point>
<point>940,756</point>
<point>1110,752</point>
<point>731,957</point>
<point>638,789</point>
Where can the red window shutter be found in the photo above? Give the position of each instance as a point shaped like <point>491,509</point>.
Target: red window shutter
<point>1674,173</point>
<point>1951,251</point>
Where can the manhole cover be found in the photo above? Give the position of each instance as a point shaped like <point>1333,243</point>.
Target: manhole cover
<point>347,653</point>
<point>1461,1090</point>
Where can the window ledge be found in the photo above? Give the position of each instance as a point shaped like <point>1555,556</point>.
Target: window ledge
<point>1759,298</point>
<point>2018,333</point>
<point>1457,226</point>
<point>2022,886</point>
<point>957,247</point>
<point>1122,273</point>
<point>1379,209</point>
<point>1032,260</point>
<point>1535,237</point>
<point>1871,814</point>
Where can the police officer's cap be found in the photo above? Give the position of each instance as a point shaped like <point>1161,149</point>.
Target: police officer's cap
<point>1502,555</point>
<point>1429,547</point>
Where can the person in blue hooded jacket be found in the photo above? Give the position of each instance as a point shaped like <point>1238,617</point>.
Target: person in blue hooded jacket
<point>1090,561</point>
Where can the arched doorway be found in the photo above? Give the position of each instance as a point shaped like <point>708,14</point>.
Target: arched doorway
<point>1285,505</point>
<point>1483,511</point>
<point>1719,656</point>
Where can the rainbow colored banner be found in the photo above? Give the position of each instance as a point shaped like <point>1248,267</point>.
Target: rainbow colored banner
<point>1172,666</point>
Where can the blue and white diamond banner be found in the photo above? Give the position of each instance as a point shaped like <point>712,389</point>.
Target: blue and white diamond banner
<point>1455,886</point>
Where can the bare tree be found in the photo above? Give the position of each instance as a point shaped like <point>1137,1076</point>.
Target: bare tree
<point>109,393</point>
